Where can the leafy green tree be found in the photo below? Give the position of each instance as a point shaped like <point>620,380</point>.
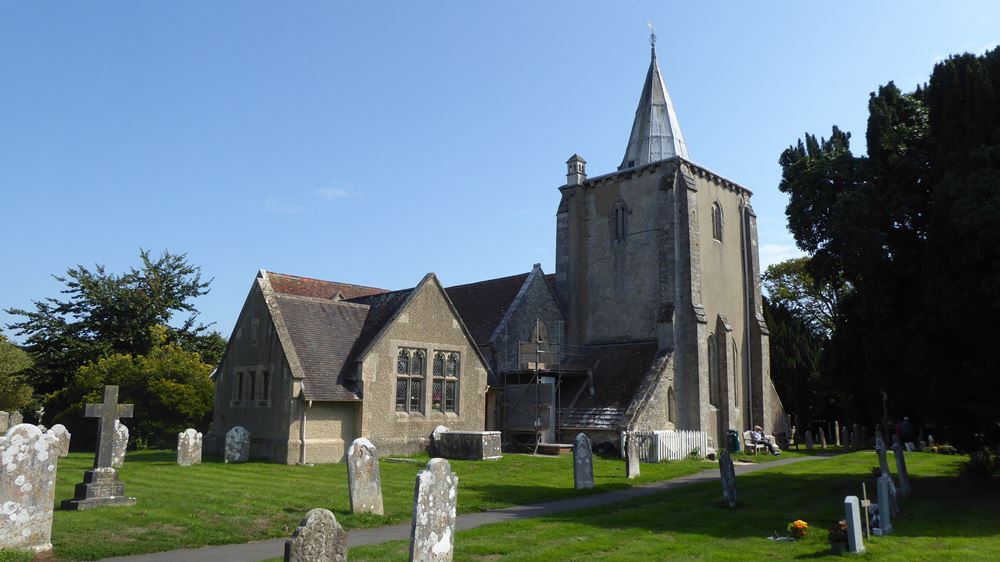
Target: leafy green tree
<point>15,394</point>
<point>790,286</point>
<point>169,386</point>
<point>103,314</point>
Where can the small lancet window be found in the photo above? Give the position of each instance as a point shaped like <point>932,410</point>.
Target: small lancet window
<point>717,221</point>
<point>619,218</point>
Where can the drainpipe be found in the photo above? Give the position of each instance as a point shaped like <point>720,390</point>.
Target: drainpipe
<point>302,432</point>
<point>748,292</point>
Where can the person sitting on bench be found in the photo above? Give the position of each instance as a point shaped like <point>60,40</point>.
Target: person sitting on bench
<point>758,437</point>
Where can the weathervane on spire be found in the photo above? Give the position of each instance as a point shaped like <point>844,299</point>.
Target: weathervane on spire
<point>652,34</point>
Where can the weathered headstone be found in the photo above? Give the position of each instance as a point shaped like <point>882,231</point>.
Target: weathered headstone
<point>583,463</point>
<point>237,445</point>
<point>836,433</point>
<point>16,419</point>
<point>728,474</point>
<point>27,488</point>
<point>809,439</point>
<point>120,445</point>
<point>921,446</point>
<point>631,456</point>
<point>432,531</point>
<point>318,538</point>
<point>856,437</point>
<point>101,486</point>
<point>884,502</point>
<point>844,441</point>
<point>822,438</point>
<point>930,440</point>
<point>901,473</point>
<point>467,445</point>
<point>865,438</point>
<point>852,515</point>
<point>363,481</point>
<point>62,436</point>
<point>4,421</point>
<point>883,464</point>
<point>854,440</point>
<point>189,447</point>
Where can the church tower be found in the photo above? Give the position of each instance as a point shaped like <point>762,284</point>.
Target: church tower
<point>664,251</point>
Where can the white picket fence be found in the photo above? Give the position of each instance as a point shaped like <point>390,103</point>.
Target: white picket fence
<point>668,444</point>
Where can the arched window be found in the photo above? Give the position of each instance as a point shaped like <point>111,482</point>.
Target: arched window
<point>619,217</point>
<point>403,362</point>
<point>439,364</point>
<point>713,371</point>
<point>670,405</point>
<point>717,221</point>
<point>444,389</point>
<point>410,380</point>
<point>736,376</point>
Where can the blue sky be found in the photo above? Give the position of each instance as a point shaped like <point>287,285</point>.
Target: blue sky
<point>372,142</point>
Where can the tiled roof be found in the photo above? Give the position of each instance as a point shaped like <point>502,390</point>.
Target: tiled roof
<point>591,418</point>
<point>323,333</point>
<point>308,287</point>
<point>381,308</point>
<point>618,371</point>
<point>482,305</point>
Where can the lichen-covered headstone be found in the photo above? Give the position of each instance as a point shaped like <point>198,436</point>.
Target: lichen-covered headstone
<point>822,438</point>
<point>809,439</point>
<point>631,456</point>
<point>901,472</point>
<point>728,474</point>
<point>852,515</point>
<point>27,488</point>
<point>120,445</point>
<point>318,538</point>
<point>237,445</point>
<point>4,421</point>
<point>836,433</point>
<point>62,436</point>
<point>189,447</point>
<point>16,419</point>
<point>363,480</point>
<point>432,531</point>
<point>583,463</point>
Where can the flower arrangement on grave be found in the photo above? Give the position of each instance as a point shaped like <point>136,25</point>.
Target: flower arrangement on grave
<point>798,529</point>
<point>838,532</point>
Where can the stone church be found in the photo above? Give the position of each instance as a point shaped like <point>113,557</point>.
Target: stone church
<point>652,320</point>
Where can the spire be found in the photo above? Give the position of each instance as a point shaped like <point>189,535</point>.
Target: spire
<point>656,134</point>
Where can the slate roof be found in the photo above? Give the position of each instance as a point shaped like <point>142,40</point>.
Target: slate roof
<point>323,333</point>
<point>308,287</point>
<point>618,371</point>
<point>381,309</point>
<point>482,305</point>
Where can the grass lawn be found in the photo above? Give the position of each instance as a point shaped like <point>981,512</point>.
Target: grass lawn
<point>949,517</point>
<point>216,503</point>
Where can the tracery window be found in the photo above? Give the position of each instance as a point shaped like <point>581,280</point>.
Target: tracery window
<point>410,380</point>
<point>717,221</point>
<point>444,389</point>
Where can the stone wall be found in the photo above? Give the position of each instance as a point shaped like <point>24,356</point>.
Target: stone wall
<point>536,301</point>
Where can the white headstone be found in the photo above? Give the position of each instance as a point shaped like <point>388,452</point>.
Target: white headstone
<point>432,530</point>
<point>583,463</point>
<point>4,421</point>
<point>822,438</point>
<point>318,538</point>
<point>120,445</point>
<point>836,433</point>
<point>852,514</point>
<point>27,488</point>
<point>363,480</point>
<point>189,447</point>
<point>62,439</point>
<point>16,419</point>
<point>631,456</point>
<point>237,445</point>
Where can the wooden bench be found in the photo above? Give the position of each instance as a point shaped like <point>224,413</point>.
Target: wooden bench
<point>749,445</point>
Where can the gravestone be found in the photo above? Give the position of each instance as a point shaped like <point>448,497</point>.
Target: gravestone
<point>121,444</point>
<point>854,440</point>
<point>363,481</point>
<point>631,456</point>
<point>856,437</point>
<point>101,486</point>
<point>844,441</point>
<point>852,515</point>
<point>318,538</point>
<point>583,463</point>
<point>930,440</point>
<point>901,473</point>
<point>467,445</point>
<point>883,464</point>
<point>436,439</point>
<point>921,446</point>
<point>237,445</point>
<point>4,421</point>
<point>809,439</point>
<point>432,531</point>
<point>27,488</point>
<point>62,436</point>
<point>836,433</point>
<point>728,474</point>
<point>865,438</point>
<point>189,447</point>
<point>885,489</point>
<point>16,419</point>
<point>822,438</point>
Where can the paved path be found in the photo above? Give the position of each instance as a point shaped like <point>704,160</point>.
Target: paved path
<point>272,548</point>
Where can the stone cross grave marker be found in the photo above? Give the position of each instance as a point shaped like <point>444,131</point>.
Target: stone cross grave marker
<point>631,456</point>
<point>728,474</point>
<point>852,514</point>
<point>101,486</point>
<point>809,439</point>
<point>363,481</point>
<point>432,531</point>
<point>120,445</point>
<point>583,463</point>
<point>4,421</point>
<point>62,436</point>
<point>189,447</point>
<point>237,445</point>
<point>901,473</point>
<point>836,433</point>
<point>883,464</point>
<point>318,538</point>
<point>27,488</point>
<point>822,438</point>
<point>16,419</point>
<point>884,506</point>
